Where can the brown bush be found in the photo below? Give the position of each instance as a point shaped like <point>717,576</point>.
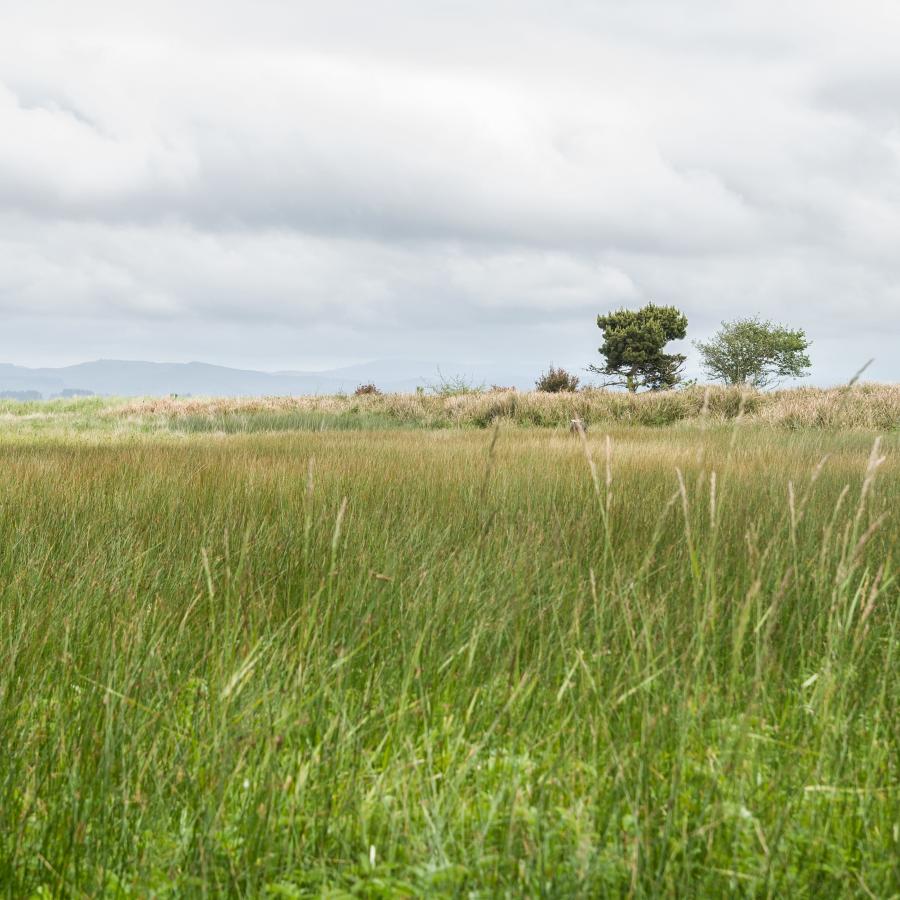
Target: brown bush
<point>557,381</point>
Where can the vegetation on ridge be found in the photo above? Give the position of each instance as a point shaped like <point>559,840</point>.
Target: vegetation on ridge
<point>861,407</point>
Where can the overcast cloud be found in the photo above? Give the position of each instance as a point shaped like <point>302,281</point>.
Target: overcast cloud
<point>297,184</point>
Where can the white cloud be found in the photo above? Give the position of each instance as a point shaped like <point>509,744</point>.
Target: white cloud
<point>394,178</point>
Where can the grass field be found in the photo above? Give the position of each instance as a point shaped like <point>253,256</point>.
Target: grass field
<point>391,661</point>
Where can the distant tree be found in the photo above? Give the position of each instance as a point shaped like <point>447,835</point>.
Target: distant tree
<point>366,389</point>
<point>755,353</point>
<point>633,345</point>
<point>555,381</point>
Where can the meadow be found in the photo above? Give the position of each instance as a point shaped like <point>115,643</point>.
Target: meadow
<point>401,647</point>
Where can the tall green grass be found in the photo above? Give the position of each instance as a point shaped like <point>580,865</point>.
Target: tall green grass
<point>479,663</point>
<point>263,420</point>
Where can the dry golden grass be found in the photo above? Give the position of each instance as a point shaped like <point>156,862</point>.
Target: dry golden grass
<point>865,406</point>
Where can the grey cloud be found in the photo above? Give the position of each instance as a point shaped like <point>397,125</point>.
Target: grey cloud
<point>268,179</point>
<point>444,159</point>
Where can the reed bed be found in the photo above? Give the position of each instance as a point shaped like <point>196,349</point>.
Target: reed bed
<point>866,406</point>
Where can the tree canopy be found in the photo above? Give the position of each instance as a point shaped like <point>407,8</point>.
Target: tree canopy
<point>755,352</point>
<point>633,347</point>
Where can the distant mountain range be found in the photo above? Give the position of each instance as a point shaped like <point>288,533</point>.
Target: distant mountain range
<point>127,378</point>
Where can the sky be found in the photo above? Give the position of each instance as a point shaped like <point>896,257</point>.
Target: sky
<point>283,184</point>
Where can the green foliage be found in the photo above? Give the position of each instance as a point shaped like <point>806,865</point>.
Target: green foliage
<point>556,381</point>
<point>633,347</point>
<point>288,420</point>
<point>462,664</point>
<point>755,353</point>
<point>455,386</point>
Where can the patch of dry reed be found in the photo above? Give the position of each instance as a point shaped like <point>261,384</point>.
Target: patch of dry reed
<point>865,406</point>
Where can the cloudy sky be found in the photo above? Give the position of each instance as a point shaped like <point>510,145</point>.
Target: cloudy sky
<point>292,184</point>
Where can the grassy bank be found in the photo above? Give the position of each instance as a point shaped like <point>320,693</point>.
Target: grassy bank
<point>862,407</point>
<point>859,407</point>
<point>459,662</point>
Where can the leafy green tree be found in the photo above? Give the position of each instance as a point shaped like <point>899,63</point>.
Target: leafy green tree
<point>754,352</point>
<point>634,343</point>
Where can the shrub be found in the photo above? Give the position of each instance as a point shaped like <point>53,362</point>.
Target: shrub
<point>555,381</point>
<point>366,389</point>
<point>455,386</point>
